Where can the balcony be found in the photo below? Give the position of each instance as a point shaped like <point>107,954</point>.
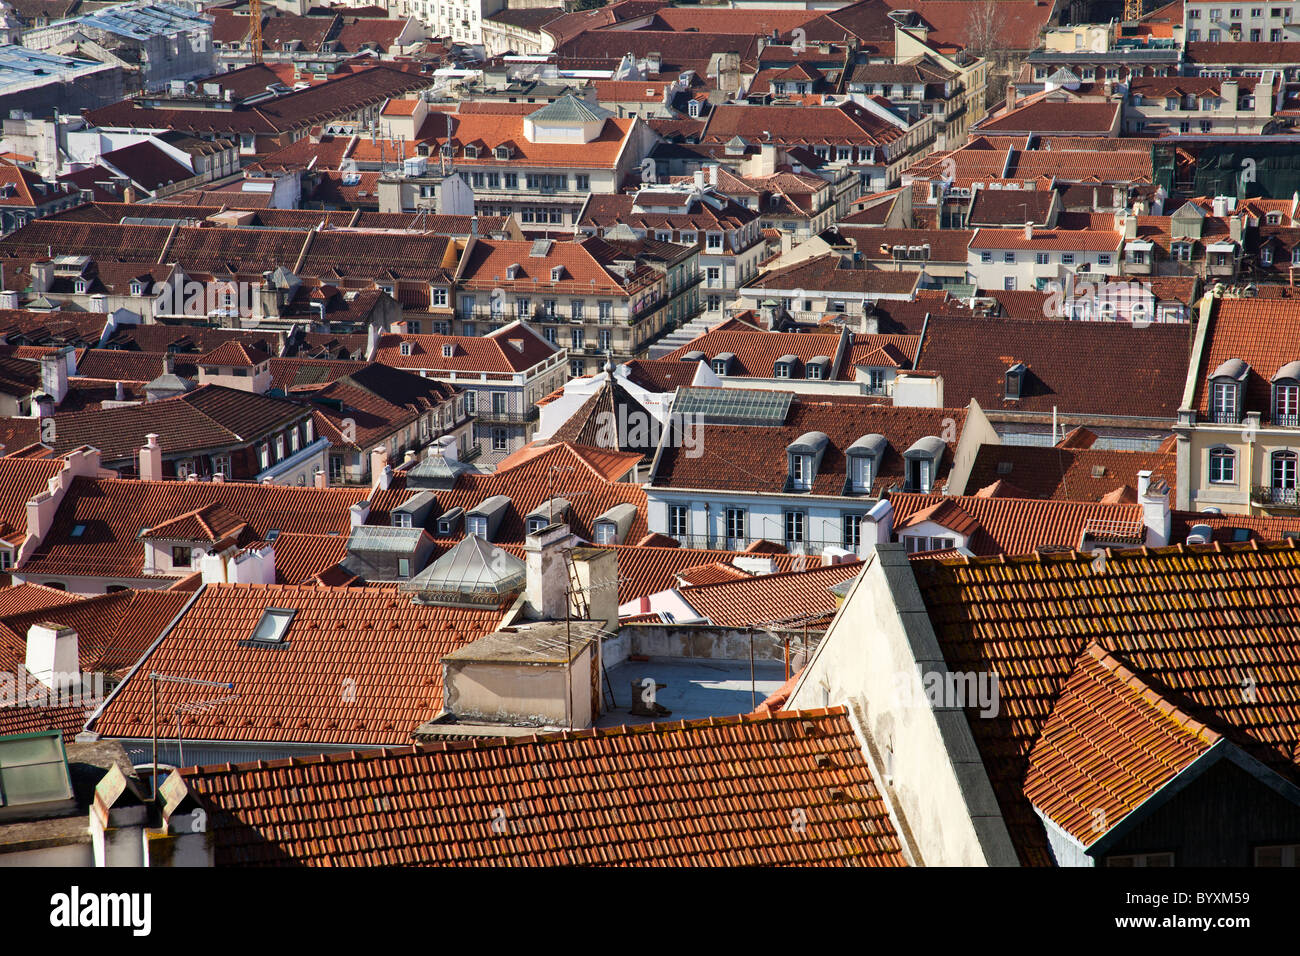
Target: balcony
<point>504,417</point>
<point>722,542</point>
<point>1270,496</point>
<point>1224,418</point>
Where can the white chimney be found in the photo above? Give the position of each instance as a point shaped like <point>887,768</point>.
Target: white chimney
<point>881,521</point>
<point>713,175</point>
<point>547,589</point>
<point>53,657</point>
<point>151,459</point>
<point>54,376</point>
<point>699,179</point>
<point>8,300</point>
<point>1154,499</point>
<point>320,479</point>
<point>1029,231</point>
<point>358,514</point>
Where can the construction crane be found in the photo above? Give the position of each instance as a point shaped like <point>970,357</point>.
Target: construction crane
<point>255,28</point>
<point>1132,10</point>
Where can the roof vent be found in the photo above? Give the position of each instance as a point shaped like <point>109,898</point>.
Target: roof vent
<point>1004,467</point>
<point>1099,471</point>
<point>1200,534</point>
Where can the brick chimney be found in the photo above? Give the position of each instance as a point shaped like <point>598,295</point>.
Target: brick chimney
<point>546,590</point>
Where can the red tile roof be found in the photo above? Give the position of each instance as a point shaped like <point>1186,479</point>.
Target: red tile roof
<point>1068,474</point>
<point>1110,743</point>
<point>1019,525</point>
<point>299,558</point>
<point>565,800</point>
<point>114,511</point>
<point>1143,369</point>
<point>1168,612</point>
<point>743,458</point>
<point>487,353</point>
<point>299,692</point>
<point>1263,333</point>
<point>802,597</point>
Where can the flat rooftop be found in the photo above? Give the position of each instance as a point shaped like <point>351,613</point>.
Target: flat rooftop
<point>693,688</point>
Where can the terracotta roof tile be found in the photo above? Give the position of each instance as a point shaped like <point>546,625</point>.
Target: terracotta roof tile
<point>1199,622</point>
<point>1020,525</point>
<point>296,692</point>
<point>1110,743</point>
<point>734,786</point>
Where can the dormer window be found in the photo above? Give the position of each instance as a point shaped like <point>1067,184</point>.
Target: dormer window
<point>1226,386</point>
<point>863,458</point>
<point>471,152</point>
<point>512,271</point>
<point>693,108</point>
<point>446,150</point>
<point>1266,256</point>
<point>502,152</point>
<point>406,348</point>
<point>784,367</point>
<point>448,351</point>
<point>1274,219</point>
<point>922,464</point>
<point>536,524</point>
<point>137,288</point>
<point>477,524</point>
<point>82,285</point>
<point>804,455</point>
<point>817,368</point>
<point>1015,382</point>
<point>782,370</point>
<point>557,273</point>
<point>1286,395</point>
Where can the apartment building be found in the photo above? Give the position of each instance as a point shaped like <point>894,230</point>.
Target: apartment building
<point>799,471</point>
<point>1215,22</point>
<point>502,374</point>
<point>540,167</point>
<point>1205,105</point>
<point>695,213</point>
<point>1030,258</point>
<point>1239,427</point>
<point>600,299</point>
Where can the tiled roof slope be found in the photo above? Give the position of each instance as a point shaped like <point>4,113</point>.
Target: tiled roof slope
<point>1196,621</point>
<point>211,416</point>
<point>1067,474</point>
<point>768,598</point>
<point>1097,368</point>
<point>1229,528</point>
<point>1111,742</point>
<point>389,648</point>
<point>114,510</point>
<point>753,458</point>
<point>1263,333</point>
<point>716,792</point>
<point>113,630</point>
<point>31,720</point>
<point>1019,525</point>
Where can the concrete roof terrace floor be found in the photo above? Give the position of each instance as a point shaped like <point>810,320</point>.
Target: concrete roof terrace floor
<point>693,688</point>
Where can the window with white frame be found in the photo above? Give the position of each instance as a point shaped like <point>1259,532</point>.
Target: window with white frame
<point>1223,466</point>
<point>677,521</point>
